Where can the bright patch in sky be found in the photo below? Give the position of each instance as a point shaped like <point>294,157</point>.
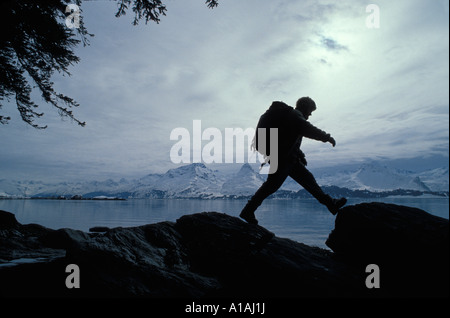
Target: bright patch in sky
<point>381,92</point>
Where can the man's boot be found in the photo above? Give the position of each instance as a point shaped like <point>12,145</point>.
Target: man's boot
<point>248,213</point>
<point>334,205</point>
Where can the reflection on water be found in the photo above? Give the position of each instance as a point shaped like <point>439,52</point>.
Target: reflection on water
<point>302,220</point>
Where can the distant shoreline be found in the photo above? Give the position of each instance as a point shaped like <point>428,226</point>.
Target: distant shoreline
<point>279,195</point>
<point>64,198</point>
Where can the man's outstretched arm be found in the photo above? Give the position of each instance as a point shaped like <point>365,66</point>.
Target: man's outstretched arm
<point>305,128</point>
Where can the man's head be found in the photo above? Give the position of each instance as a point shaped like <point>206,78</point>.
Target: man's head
<point>306,106</point>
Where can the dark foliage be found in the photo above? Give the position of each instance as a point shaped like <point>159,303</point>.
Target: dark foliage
<point>35,42</point>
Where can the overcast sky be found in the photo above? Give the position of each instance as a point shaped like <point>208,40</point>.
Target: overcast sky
<point>381,92</point>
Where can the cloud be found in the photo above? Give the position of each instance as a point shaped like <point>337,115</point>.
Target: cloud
<point>380,92</point>
<point>332,45</point>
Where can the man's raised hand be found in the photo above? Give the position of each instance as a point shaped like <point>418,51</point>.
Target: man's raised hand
<point>332,141</point>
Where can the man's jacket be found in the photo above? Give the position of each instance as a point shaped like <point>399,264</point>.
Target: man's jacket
<point>292,127</point>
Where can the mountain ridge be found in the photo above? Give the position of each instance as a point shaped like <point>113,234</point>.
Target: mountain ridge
<point>199,181</point>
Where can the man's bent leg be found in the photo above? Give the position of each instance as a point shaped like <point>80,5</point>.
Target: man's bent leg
<point>306,179</point>
<point>271,185</point>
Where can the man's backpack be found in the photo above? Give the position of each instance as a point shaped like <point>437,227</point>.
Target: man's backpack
<point>272,127</point>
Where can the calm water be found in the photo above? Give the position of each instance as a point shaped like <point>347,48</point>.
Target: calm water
<point>303,220</point>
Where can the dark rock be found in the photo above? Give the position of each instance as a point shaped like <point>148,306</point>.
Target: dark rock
<point>140,261</point>
<point>370,230</point>
<point>249,260</point>
<point>216,241</point>
<point>7,220</point>
<point>20,243</point>
<point>410,246</point>
<point>212,254</point>
<point>99,229</point>
<point>201,255</point>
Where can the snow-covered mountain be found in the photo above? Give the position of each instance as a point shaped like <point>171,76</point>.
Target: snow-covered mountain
<point>199,181</point>
<point>10,188</point>
<point>243,183</point>
<point>375,177</point>
<point>436,179</point>
<point>194,180</point>
<point>41,189</point>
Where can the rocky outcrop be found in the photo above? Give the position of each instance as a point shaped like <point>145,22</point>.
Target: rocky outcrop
<point>410,246</point>
<point>213,254</point>
<point>378,230</point>
<point>21,243</point>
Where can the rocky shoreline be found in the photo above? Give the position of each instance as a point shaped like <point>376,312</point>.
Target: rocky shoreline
<point>214,255</point>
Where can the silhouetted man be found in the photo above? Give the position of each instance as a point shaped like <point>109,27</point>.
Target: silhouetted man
<point>292,126</point>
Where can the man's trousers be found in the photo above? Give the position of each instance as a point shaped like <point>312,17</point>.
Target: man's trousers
<point>297,171</point>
